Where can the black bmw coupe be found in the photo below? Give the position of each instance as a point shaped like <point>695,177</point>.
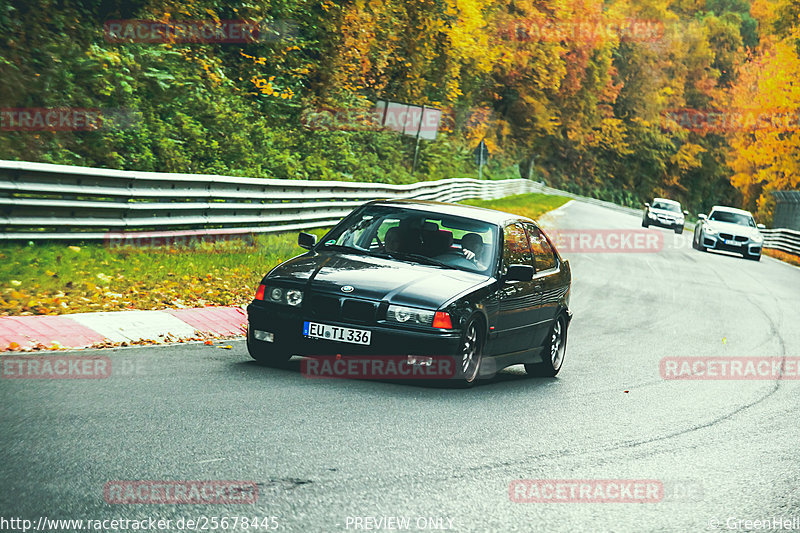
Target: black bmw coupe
<point>419,280</point>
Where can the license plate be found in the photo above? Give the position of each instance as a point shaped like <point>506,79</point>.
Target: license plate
<point>728,241</point>
<point>336,333</point>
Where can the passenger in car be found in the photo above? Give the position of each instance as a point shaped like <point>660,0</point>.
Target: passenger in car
<point>391,241</point>
<point>436,242</point>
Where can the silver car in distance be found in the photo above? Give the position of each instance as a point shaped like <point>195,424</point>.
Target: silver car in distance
<point>665,213</point>
<point>731,230</point>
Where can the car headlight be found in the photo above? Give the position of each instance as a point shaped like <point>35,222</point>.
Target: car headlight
<point>291,297</point>
<point>757,238</point>
<point>294,297</point>
<point>409,315</point>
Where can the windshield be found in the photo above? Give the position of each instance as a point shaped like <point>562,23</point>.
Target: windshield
<point>733,218</point>
<point>675,208</point>
<point>417,236</point>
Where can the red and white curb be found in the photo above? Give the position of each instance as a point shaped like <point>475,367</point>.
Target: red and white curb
<point>122,328</point>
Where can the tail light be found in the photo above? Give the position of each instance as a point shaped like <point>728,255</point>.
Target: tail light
<point>260,292</point>
<point>442,320</point>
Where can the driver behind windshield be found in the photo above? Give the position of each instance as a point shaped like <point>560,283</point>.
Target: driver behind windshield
<point>472,245</point>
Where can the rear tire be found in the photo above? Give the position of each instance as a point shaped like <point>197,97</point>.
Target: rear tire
<point>554,353</point>
<point>266,353</point>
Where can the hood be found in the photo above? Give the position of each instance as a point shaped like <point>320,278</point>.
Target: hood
<point>733,229</point>
<point>376,278</point>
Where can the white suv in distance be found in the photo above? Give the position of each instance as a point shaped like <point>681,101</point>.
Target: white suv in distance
<point>729,229</point>
<point>665,213</point>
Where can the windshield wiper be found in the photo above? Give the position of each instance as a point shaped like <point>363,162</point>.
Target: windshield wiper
<point>419,258</point>
<point>344,248</point>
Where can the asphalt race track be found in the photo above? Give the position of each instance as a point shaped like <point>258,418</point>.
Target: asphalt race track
<point>324,452</point>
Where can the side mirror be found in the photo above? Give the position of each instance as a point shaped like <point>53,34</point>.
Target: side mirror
<point>686,213</point>
<point>306,240</point>
<point>647,204</point>
<point>519,273</point>
<point>761,226</point>
<point>701,216</point>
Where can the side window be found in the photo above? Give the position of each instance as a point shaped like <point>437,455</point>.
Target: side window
<point>544,258</point>
<point>516,250</point>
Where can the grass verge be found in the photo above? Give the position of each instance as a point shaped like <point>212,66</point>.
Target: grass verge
<point>53,278</point>
<point>783,256</point>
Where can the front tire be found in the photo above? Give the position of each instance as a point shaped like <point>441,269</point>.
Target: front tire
<point>470,353</point>
<point>679,230</point>
<point>699,242</point>
<point>644,223</point>
<point>266,353</point>
<point>554,353</point>
<point>752,257</point>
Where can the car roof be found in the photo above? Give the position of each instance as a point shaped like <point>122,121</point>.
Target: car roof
<point>666,200</point>
<point>730,210</point>
<point>467,211</point>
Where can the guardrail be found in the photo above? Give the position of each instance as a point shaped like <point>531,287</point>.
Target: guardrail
<point>46,202</point>
<point>785,240</point>
<point>40,201</point>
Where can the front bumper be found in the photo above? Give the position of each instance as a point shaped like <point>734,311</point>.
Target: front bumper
<point>286,325</point>
<point>717,242</point>
<point>671,224</point>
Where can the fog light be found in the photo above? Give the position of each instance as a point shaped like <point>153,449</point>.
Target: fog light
<point>265,336</point>
<point>420,360</point>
